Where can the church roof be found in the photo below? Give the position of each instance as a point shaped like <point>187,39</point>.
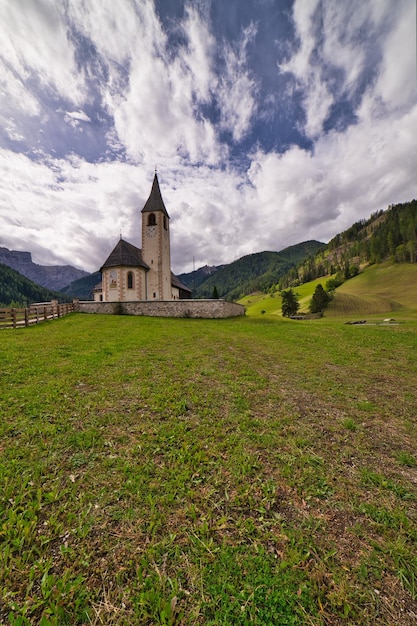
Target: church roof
<point>155,202</point>
<point>125,254</point>
<point>175,282</point>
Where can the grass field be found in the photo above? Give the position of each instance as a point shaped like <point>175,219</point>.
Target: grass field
<point>380,290</point>
<point>265,304</point>
<point>190,472</point>
<point>386,289</point>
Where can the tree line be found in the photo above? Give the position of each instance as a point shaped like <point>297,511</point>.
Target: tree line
<point>251,273</point>
<point>17,290</point>
<point>386,235</point>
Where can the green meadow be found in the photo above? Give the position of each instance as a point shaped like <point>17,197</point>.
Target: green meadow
<point>253,470</point>
<point>385,290</point>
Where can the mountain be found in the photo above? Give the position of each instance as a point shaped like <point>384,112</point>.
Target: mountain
<point>194,279</point>
<point>18,290</point>
<point>53,277</point>
<point>254,272</point>
<point>82,288</point>
<point>386,235</point>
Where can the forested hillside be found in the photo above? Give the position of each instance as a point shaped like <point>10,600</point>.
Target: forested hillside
<point>386,235</point>
<point>254,272</point>
<point>83,287</point>
<point>17,290</point>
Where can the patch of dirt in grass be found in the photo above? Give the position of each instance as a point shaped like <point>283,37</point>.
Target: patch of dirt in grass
<point>394,603</point>
<point>287,507</point>
<point>381,596</point>
<point>338,532</point>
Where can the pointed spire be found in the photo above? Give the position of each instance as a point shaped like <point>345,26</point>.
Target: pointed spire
<point>154,202</point>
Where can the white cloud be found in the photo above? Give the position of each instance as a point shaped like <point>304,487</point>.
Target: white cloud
<point>14,95</point>
<point>154,111</point>
<point>300,195</point>
<point>353,37</point>
<point>344,47</point>
<point>73,208</point>
<point>303,15</point>
<point>74,119</point>
<point>35,43</point>
<point>79,116</point>
<point>237,88</point>
<point>396,83</point>
<point>304,66</point>
<point>157,98</point>
<point>11,130</point>
<point>197,57</point>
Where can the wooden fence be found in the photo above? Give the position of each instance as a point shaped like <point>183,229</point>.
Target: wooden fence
<point>34,314</point>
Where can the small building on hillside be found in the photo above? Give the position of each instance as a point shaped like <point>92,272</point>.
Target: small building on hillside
<point>131,274</point>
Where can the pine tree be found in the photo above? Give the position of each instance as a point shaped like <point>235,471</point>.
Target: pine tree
<point>290,303</point>
<point>320,300</point>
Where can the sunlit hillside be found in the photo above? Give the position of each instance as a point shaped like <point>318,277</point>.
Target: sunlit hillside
<point>378,290</point>
<point>266,304</point>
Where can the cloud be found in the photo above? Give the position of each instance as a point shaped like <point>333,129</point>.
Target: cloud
<point>78,116</point>
<point>35,45</point>
<point>94,95</point>
<point>156,115</point>
<point>350,52</point>
<point>73,208</point>
<point>170,89</point>
<point>304,65</point>
<point>237,89</point>
<point>347,178</point>
<point>394,84</point>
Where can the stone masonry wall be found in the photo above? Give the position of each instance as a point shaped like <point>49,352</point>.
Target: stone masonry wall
<point>164,308</point>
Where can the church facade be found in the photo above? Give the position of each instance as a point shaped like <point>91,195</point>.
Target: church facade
<point>131,274</point>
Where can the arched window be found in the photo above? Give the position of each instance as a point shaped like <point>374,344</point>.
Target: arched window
<point>165,223</point>
<point>130,280</point>
<point>151,219</point>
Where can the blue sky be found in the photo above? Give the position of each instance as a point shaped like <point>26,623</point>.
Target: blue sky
<point>270,122</point>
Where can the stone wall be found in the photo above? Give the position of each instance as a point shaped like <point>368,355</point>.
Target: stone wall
<point>164,308</point>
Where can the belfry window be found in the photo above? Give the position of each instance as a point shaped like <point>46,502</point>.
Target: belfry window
<point>130,280</point>
<point>165,223</point>
<point>151,219</point>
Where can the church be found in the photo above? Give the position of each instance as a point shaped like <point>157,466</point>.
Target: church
<point>131,274</point>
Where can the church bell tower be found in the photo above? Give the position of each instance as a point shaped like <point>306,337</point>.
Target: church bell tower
<point>156,251</point>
